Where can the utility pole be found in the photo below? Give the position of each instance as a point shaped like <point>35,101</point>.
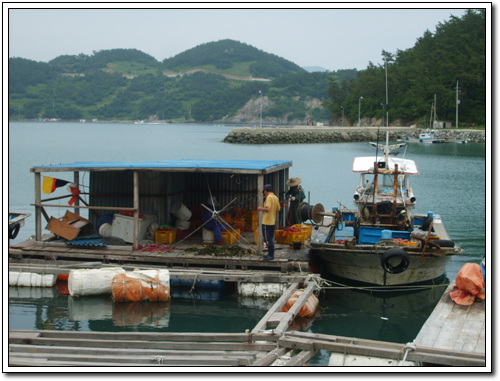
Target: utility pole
<point>386,97</point>
<point>458,102</point>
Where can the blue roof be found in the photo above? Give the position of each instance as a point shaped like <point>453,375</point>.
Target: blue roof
<point>166,164</point>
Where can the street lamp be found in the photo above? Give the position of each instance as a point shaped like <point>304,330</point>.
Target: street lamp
<point>383,111</point>
<point>260,92</point>
<point>359,112</point>
<point>342,107</point>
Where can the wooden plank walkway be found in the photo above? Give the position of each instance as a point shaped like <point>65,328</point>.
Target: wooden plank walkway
<point>122,349</point>
<point>286,259</point>
<point>455,327</point>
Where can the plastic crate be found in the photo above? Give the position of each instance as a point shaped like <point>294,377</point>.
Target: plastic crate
<point>306,229</point>
<point>228,238</point>
<point>281,236</point>
<point>252,220</point>
<point>295,237</point>
<point>165,236</point>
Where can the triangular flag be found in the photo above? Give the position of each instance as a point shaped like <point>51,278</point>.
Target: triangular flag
<point>50,184</point>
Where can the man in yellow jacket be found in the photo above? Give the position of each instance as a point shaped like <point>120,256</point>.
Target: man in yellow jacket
<point>270,208</point>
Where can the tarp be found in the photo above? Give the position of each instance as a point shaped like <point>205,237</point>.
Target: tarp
<point>469,285</point>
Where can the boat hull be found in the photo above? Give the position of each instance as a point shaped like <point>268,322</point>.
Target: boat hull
<point>365,266</point>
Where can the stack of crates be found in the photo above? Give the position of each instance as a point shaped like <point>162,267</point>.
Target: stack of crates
<point>288,238</point>
<point>252,220</point>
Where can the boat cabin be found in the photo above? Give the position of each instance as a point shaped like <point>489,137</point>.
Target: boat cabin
<point>384,196</point>
<point>152,190</point>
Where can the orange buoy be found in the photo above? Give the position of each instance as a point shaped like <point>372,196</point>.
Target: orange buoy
<point>63,277</point>
<point>141,286</point>
<point>309,308</point>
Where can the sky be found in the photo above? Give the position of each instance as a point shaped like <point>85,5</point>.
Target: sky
<point>330,38</point>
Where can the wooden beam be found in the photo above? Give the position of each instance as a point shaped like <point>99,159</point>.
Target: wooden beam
<point>262,324</point>
<point>260,202</point>
<point>270,357</point>
<point>294,310</point>
<point>76,181</point>
<point>136,210</point>
<point>38,210</point>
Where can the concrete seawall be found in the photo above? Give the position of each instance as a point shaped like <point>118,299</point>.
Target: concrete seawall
<point>295,135</point>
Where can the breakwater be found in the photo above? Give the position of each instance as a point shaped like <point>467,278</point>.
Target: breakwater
<point>295,135</point>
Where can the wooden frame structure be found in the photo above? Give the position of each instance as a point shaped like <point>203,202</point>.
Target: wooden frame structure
<point>172,177</point>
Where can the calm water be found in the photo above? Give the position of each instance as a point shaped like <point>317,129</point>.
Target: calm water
<point>452,183</point>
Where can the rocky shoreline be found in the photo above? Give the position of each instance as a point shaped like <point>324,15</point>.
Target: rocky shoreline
<point>296,135</point>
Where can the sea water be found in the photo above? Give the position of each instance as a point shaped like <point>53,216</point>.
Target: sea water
<point>452,183</point>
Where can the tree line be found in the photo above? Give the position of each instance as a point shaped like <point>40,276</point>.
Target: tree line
<point>454,54</point>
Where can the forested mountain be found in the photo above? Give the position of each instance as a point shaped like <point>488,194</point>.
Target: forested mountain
<point>210,82</point>
<point>232,57</point>
<point>223,81</point>
<point>455,52</point>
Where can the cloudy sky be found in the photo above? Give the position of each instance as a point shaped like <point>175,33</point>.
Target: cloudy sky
<point>330,38</point>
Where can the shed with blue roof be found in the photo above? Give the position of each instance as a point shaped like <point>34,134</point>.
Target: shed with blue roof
<point>153,187</point>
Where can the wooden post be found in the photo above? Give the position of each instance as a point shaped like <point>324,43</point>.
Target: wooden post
<point>395,202</point>
<point>136,210</point>
<point>276,178</point>
<point>260,202</point>
<point>38,209</point>
<point>76,180</point>
<point>284,213</point>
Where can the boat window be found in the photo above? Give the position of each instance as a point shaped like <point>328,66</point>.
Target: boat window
<point>383,180</point>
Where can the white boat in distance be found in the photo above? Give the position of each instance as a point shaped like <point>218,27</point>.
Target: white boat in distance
<point>382,242</point>
<point>428,136</point>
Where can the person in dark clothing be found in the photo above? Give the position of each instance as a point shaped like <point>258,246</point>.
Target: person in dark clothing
<point>214,224</point>
<point>295,195</point>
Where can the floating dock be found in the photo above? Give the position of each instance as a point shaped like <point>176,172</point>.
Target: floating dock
<point>268,344</point>
<point>47,254</point>
<point>455,327</point>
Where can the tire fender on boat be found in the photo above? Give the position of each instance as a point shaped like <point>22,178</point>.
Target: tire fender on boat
<point>14,229</point>
<point>388,257</point>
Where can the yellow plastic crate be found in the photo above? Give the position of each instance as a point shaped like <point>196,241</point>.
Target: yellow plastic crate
<point>281,236</point>
<point>252,220</point>
<point>295,237</point>
<point>305,228</point>
<point>165,236</point>
<point>228,238</point>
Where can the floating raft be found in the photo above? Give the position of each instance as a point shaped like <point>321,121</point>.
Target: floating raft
<point>285,260</point>
<point>455,327</point>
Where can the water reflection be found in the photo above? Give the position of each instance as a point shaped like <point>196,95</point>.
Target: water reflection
<point>388,316</point>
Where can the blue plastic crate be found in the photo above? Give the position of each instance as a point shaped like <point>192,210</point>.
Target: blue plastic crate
<point>371,235</point>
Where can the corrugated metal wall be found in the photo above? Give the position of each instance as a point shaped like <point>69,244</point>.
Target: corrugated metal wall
<point>158,191</point>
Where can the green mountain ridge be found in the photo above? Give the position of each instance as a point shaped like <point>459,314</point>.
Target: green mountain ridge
<point>229,81</point>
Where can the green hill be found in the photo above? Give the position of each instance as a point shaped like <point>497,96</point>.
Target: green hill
<point>231,57</point>
<point>227,81</point>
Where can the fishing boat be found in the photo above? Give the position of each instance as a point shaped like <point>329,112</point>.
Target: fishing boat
<point>381,241</point>
<point>426,136</point>
<point>429,136</point>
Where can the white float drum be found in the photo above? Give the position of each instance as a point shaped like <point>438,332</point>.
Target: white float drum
<point>92,281</point>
